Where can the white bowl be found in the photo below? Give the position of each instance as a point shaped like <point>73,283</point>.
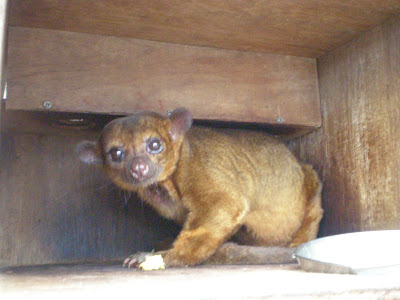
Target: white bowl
<point>369,252</point>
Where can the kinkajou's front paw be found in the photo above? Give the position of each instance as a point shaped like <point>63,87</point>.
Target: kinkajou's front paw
<point>145,261</point>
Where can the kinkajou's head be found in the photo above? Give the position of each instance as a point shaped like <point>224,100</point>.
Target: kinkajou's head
<point>140,149</point>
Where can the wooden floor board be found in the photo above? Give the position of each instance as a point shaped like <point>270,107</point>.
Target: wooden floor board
<point>206,282</point>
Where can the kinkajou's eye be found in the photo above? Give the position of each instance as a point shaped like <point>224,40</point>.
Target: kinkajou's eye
<point>154,146</point>
<point>116,155</point>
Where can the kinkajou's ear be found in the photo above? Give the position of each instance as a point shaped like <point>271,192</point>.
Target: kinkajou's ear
<point>89,152</point>
<point>181,121</point>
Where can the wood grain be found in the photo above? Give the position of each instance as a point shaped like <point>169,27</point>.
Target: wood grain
<point>302,28</point>
<point>92,73</point>
<point>54,209</point>
<point>357,148</point>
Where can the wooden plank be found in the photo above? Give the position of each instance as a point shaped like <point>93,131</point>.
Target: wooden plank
<point>222,282</point>
<point>54,209</point>
<point>357,149</point>
<point>302,28</point>
<point>92,73</point>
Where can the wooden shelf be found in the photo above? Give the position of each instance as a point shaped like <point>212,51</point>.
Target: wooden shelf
<point>222,282</point>
<point>301,28</point>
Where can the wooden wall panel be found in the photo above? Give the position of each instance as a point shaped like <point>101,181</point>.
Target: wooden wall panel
<point>92,73</point>
<point>54,209</point>
<point>357,150</point>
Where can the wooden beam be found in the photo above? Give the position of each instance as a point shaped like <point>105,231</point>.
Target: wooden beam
<point>91,73</point>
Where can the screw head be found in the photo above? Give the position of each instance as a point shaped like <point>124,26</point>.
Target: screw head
<point>47,104</point>
<point>169,112</point>
<point>279,119</point>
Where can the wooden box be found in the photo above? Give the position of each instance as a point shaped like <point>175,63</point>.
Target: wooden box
<point>323,74</point>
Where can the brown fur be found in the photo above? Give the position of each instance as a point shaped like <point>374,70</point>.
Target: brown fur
<point>220,185</point>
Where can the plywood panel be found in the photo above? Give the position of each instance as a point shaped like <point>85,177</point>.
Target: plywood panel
<point>357,149</point>
<point>302,28</point>
<point>53,209</point>
<point>92,73</point>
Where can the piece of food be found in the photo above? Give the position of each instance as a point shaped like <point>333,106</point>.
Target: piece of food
<point>153,262</point>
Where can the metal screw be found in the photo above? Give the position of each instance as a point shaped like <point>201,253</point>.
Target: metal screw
<point>47,104</point>
<point>279,119</point>
<point>169,112</point>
